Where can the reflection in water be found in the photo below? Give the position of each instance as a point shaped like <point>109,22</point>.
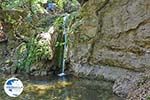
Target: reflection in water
<point>63,88</point>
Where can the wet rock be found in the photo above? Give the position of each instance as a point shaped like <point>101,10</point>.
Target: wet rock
<point>126,84</point>
<point>105,72</point>
<point>38,73</point>
<point>43,73</point>
<point>142,91</point>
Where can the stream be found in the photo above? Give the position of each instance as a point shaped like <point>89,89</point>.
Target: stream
<point>61,88</point>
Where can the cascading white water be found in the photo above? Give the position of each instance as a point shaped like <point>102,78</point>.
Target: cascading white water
<point>65,44</point>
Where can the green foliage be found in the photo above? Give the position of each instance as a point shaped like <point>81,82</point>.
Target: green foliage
<point>29,5</point>
<point>60,39</point>
<point>71,25</point>
<point>35,6</point>
<point>13,4</point>
<point>36,50</point>
<point>58,22</point>
<point>75,2</point>
<point>74,21</point>
<point>148,98</point>
<point>61,3</point>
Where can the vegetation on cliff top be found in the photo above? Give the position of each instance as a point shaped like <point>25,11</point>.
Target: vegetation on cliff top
<point>27,21</point>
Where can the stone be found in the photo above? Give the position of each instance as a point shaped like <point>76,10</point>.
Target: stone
<point>126,84</point>
<point>113,41</point>
<point>123,40</point>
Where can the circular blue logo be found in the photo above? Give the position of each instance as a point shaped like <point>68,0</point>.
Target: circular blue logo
<point>13,87</point>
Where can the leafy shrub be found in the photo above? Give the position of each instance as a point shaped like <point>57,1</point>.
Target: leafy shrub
<point>36,50</point>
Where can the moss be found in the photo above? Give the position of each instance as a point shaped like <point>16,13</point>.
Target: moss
<point>59,51</point>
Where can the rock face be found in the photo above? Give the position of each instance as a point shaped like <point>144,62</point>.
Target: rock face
<point>114,33</point>
<point>142,92</point>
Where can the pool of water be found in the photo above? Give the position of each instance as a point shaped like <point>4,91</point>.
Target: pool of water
<point>62,88</point>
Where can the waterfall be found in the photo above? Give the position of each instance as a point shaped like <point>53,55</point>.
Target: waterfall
<point>65,44</point>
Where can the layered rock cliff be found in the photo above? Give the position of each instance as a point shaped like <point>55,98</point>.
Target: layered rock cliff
<point>113,40</point>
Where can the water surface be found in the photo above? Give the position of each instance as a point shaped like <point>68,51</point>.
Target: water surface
<point>65,88</point>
